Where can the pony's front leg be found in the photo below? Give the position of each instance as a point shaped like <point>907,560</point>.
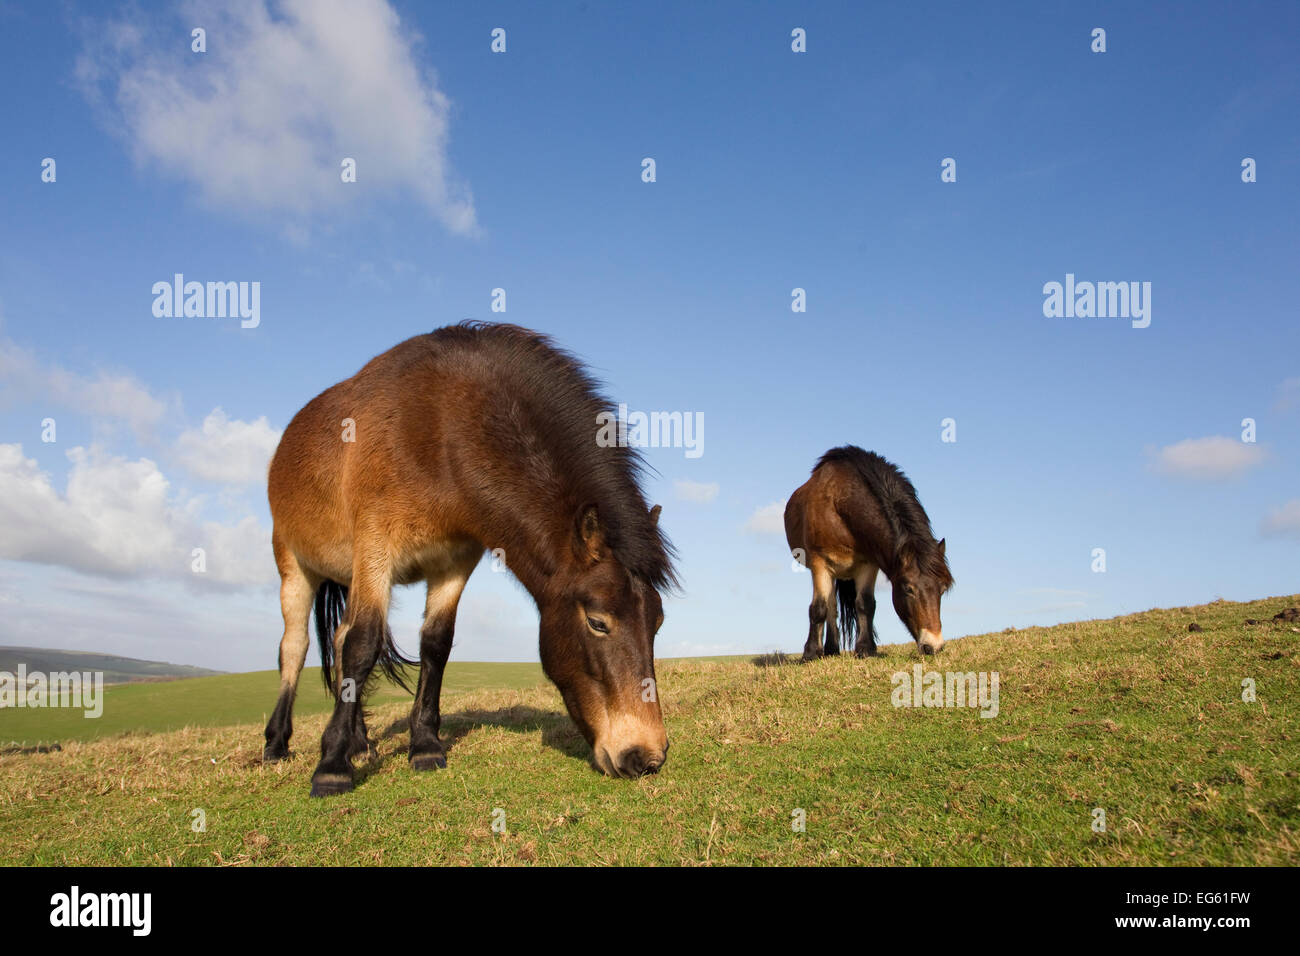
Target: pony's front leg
<point>362,644</point>
<point>812,648</point>
<point>427,752</point>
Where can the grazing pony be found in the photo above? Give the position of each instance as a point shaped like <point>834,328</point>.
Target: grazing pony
<point>856,516</point>
<point>476,436</point>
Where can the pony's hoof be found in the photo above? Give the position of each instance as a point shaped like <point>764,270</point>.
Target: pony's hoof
<point>330,784</point>
<point>275,754</point>
<point>863,653</point>
<point>809,656</point>
<point>428,761</point>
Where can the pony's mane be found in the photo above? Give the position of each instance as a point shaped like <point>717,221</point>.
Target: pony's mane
<point>558,386</point>
<point>900,506</point>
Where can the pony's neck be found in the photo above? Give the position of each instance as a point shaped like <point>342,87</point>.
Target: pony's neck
<point>897,560</point>
<point>536,564</point>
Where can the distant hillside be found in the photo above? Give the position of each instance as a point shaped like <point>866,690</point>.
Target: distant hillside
<point>116,670</point>
<point>225,699</point>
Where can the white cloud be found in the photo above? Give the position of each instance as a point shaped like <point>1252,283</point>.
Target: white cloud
<point>1214,458</point>
<point>769,519</point>
<point>228,450</point>
<point>222,449</point>
<point>118,518</point>
<point>284,93</point>
<point>106,396</point>
<point>696,491</point>
<point>1283,522</point>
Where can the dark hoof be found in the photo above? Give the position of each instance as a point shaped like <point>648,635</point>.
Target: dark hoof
<point>428,761</point>
<point>865,652</point>
<point>810,656</point>
<point>330,784</point>
<point>274,754</point>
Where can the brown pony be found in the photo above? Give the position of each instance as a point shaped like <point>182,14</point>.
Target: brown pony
<point>856,516</point>
<point>472,437</point>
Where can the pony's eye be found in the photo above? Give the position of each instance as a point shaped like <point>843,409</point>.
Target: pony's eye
<point>908,589</point>
<point>599,626</point>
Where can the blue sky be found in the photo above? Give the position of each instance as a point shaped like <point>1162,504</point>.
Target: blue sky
<point>775,170</point>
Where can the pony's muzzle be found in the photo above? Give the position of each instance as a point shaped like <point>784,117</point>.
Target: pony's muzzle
<point>930,643</point>
<point>633,745</point>
<point>641,761</point>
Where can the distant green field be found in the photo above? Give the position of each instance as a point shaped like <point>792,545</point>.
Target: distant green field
<point>1131,741</point>
<point>223,700</point>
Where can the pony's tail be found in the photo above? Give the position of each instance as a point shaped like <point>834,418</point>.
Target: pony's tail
<point>392,661</point>
<point>331,603</point>
<point>847,592</point>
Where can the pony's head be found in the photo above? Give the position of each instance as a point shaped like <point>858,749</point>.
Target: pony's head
<point>920,584</point>
<point>598,625</point>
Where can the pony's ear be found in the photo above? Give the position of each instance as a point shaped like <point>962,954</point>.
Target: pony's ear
<point>943,547</point>
<point>654,514</point>
<point>590,543</point>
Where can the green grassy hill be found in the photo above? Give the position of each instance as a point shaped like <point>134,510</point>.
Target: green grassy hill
<point>1135,716</point>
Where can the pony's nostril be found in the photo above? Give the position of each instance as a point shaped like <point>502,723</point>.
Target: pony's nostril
<point>927,648</point>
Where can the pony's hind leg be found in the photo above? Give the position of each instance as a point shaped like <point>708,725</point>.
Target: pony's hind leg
<point>363,642</point>
<point>427,752</point>
<point>865,584</point>
<point>821,612</point>
<point>297,589</point>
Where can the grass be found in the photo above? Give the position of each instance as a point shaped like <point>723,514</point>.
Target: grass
<point>1134,715</point>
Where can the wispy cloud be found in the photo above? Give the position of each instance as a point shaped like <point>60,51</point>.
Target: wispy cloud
<point>769,519</point>
<point>1283,522</point>
<point>1213,459</point>
<point>223,449</point>
<point>105,396</point>
<point>284,93</point>
<point>696,491</point>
